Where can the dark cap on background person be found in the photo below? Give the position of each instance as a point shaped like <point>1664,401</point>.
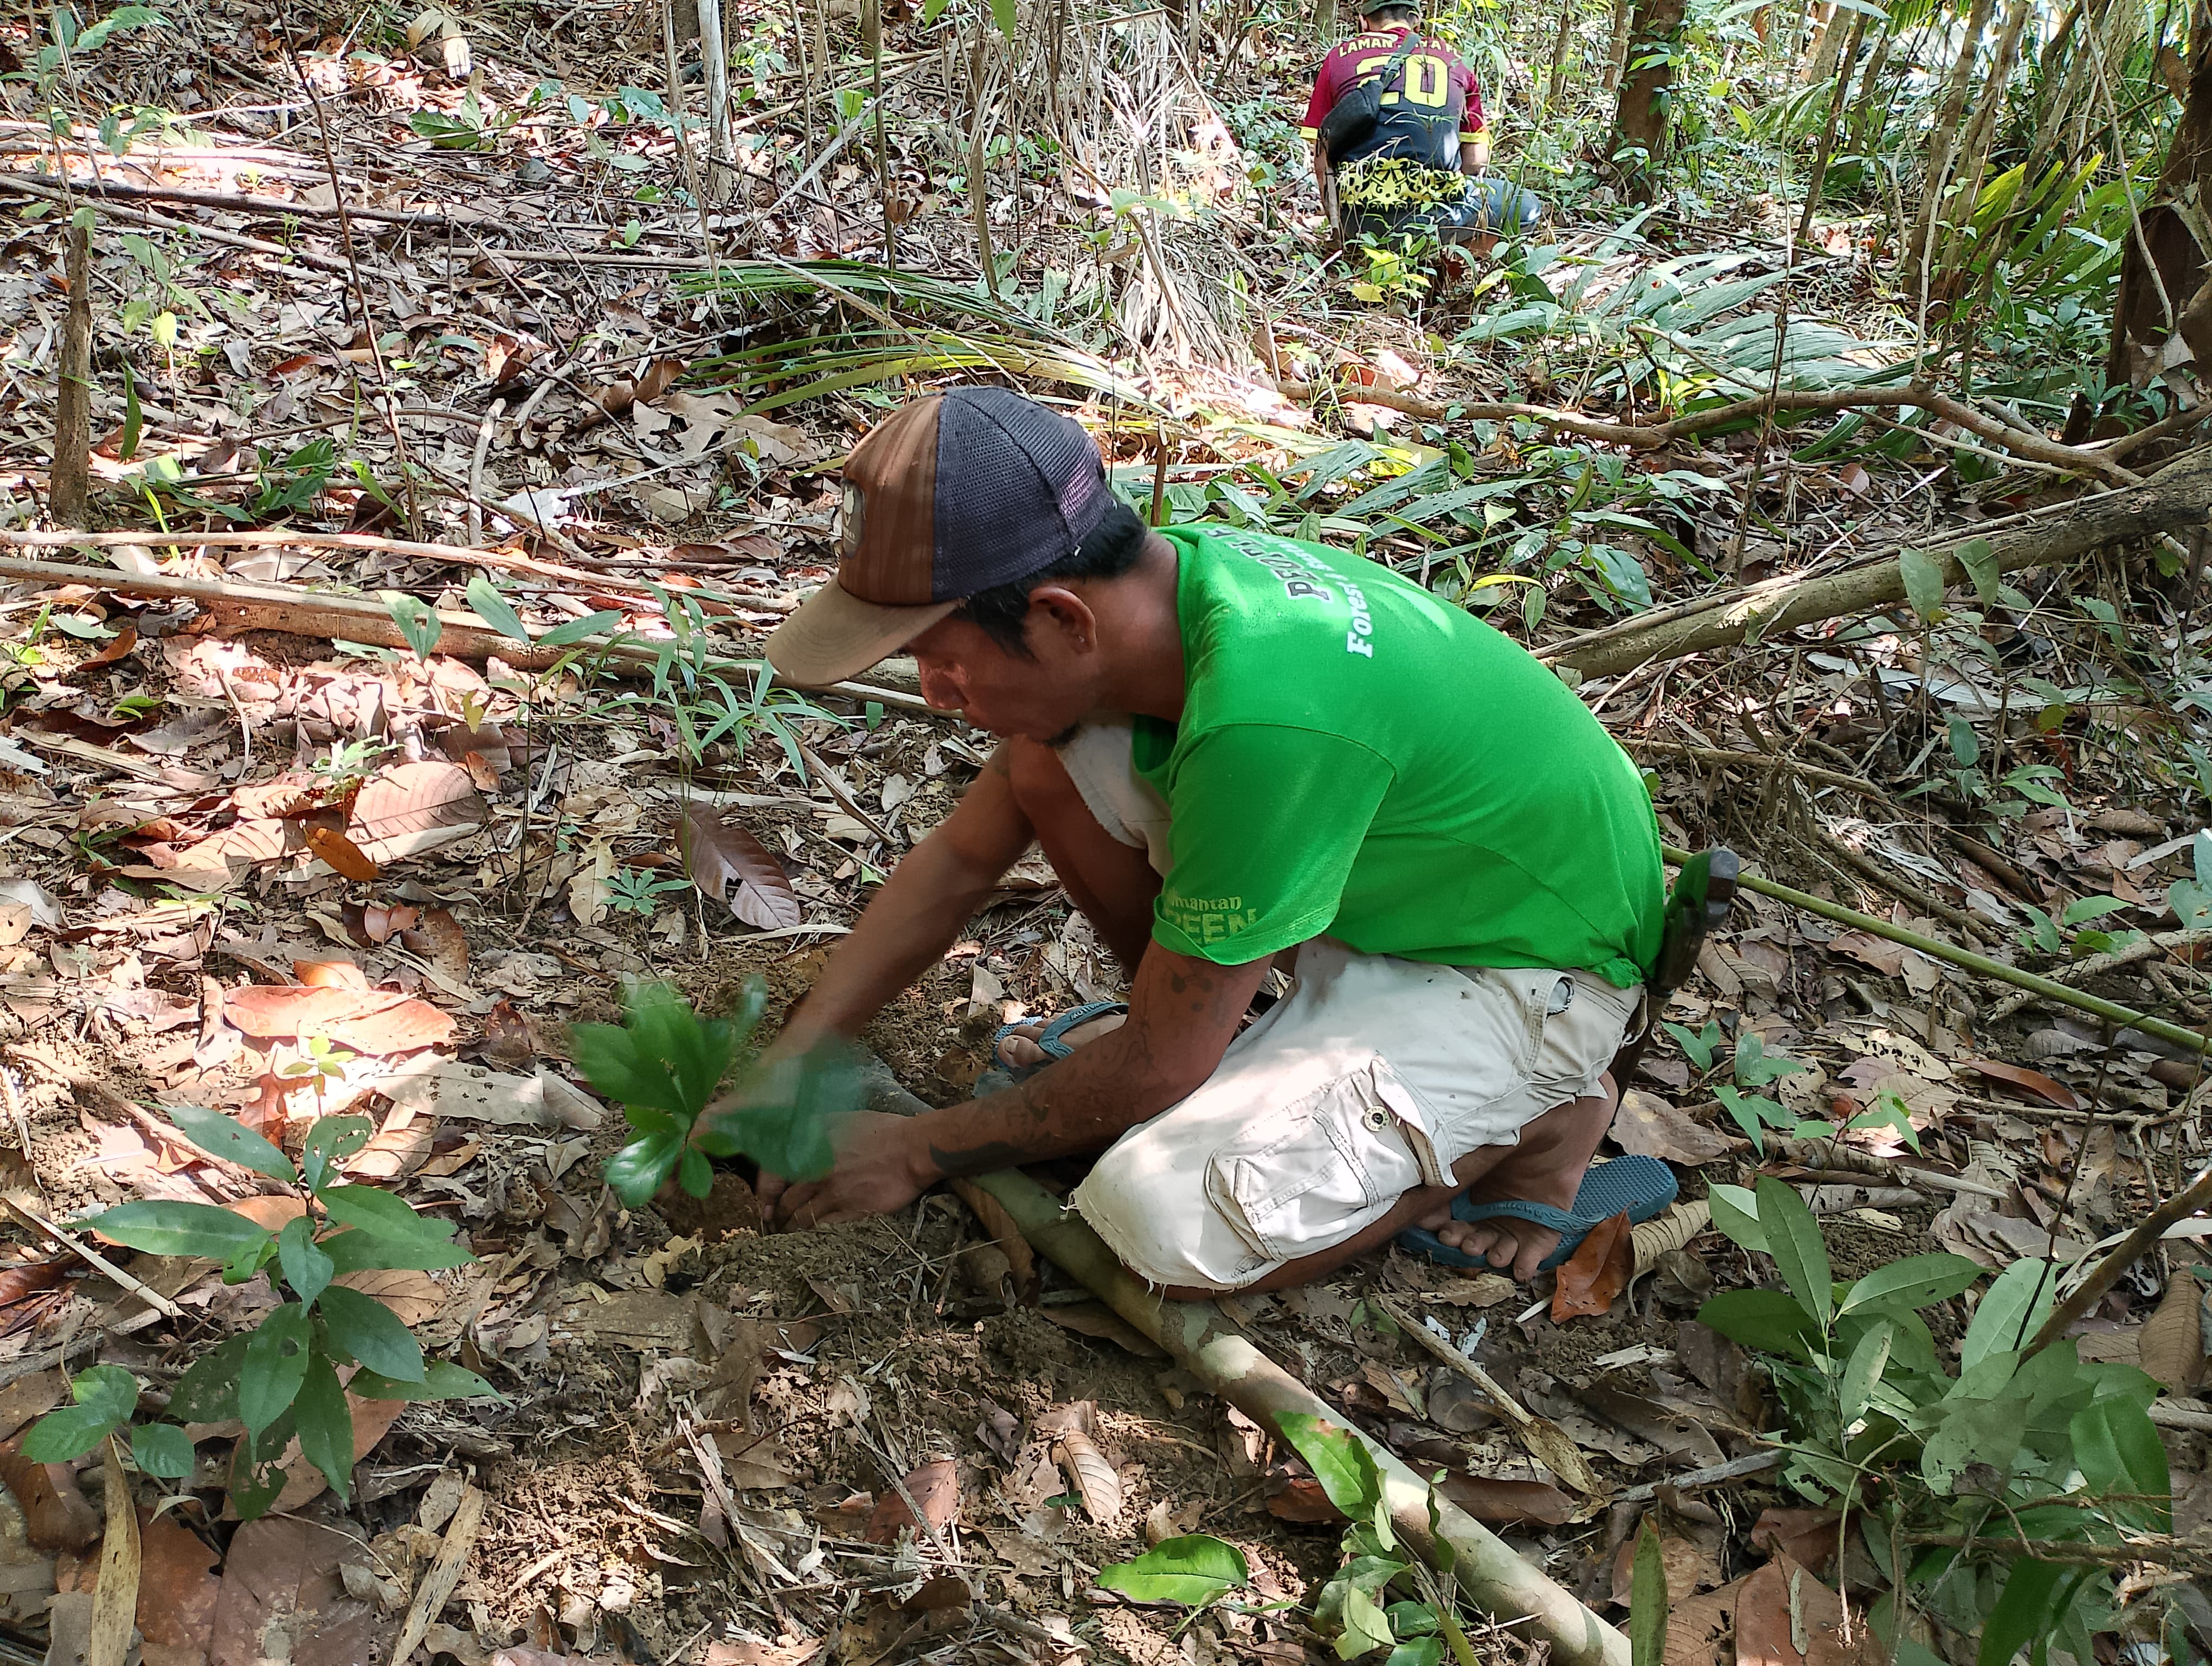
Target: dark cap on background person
<point>947,496</point>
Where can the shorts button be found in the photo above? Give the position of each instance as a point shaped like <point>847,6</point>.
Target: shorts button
<point>1378,1119</point>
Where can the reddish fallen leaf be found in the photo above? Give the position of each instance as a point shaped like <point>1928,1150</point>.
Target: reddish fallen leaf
<point>408,808</point>
<point>366,1020</point>
<point>1488,1500</point>
<point>935,1489</point>
<point>56,1515</point>
<point>177,1591</point>
<point>2030,1081</point>
<point>282,1588</point>
<point>482,774</point>
<point>439,940</point>
<point>346,858</point>
<point>1782,1602</point>
<point>1808,1536</point>
<point>1597,1272</point>
<point>372,1421</point>
<point>380,922</point>
<point>29,1278</point>
<point>716,852</point>
<point>1299,1499</point>
<point>508,1039</point>
<point>113,649</point>
<point>329,974</point>
<point>1683,1563</point>
<point>617,397</point>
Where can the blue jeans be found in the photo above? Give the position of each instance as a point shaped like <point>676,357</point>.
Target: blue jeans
<point>1491,204</point>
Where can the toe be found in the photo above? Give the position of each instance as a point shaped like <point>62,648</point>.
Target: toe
<point>1020,1048</point>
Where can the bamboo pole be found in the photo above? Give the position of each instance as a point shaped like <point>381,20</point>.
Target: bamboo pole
<point>2043,989</point>
<point>1492,1574</point>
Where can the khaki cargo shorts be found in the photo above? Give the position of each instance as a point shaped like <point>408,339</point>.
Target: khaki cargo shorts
<point>1372,1076</point>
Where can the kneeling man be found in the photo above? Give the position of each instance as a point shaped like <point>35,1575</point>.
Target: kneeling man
<point>1237,750</point>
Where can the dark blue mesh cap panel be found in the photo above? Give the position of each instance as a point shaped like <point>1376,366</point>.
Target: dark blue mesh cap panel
<point>1009,474</point>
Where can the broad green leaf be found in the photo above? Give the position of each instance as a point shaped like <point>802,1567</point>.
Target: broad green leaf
<point>1735,1212</point>
<point>2010,1313</point>
<point>1418,1651</point>
<point>1191,1569</point>
<point>163,1228</point>
<point>208,1391</point>
<point>2022,1609</point>
<point>104,1397</point>
<point>1981,564</point>
<point>1340,1461</point>
<point>697,1173</point>
<point>576,629</point>
<point>306,1269</point>
<point>329,1143</point>
<point>1862,1371</point>
<point>326,1425</point>
<point>369,1332</point>
<point>360,1252</point>
<point>1648,1602</point>
<point>1914,1282</point>
<point>1756,1068</point>
<point>494,610</point>
<point>382,1214</point>
<point>226,1137</point>
<point>418,623</point>
<point>1005,14</point>
<point>1770,1320</point>
<point>1793,1239</point>
<point>1366,1625</point>
<point>1745,1109</point>
<point>276,1364</point>
<point>2118,1449</point>
<point>642,1168</point>
<point>256,1480</point>
<point>1924,583</point>
<point>442,1381</point>
<point>162,1450</point>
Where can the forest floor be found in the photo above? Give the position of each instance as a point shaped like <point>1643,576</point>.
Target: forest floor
<point>436,860</point>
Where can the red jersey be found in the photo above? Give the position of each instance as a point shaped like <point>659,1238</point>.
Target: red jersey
<point>1434,76</point>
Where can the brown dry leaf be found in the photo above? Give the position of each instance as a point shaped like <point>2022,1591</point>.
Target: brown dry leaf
<point>368,1021</point>
<point>329,974</point>
<point>113,649</point>
<point>1596,1273</point>
<point>1094,1479</point>
<point>27,1397</point>
<point>1686,1565</point>
<point>1471,1289</point>
<point>282,1598</point>
<point>177,1591</point>
<point>716,852</point>
<point>1668,1231</point>
<point>1007,1235</point>
<point>1299,1499</point>
<point>2030,1081</point>
<point>380,922</point>
<point>1488,1500</point>
<point>507,1037</point>
<point>58,1516</point>
<point>342,855</point>
<point>1674,1433</point>
<point>372,1421</point>
<point>1097,1319</point>
<point>439,940</point>
<point>414,1297</point>
<point>1806,1537</point>
<point>1647,1125</point>
<point>29,1278</point>
<point>1697,1629</point>
<point>1782,1601</point>
<point>617,398</point>
<point>2172,1346</point>
<point>935,1490</point>
<point>405,809</point>
<point>1870,951</point>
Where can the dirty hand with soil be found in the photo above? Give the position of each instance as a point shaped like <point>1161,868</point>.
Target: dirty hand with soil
<point>1234,747</point>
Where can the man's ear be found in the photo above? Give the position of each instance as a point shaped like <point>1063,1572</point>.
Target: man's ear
<point>1055,609</point>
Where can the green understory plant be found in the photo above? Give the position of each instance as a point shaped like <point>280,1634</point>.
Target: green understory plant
<point>663,1065</point>
<point>281,1380</point>
<point>1988,1501</point>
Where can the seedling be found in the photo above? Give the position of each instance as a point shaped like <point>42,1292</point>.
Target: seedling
<point>281,1381</point>
<point>639,891</point>
<point>664,1064</point>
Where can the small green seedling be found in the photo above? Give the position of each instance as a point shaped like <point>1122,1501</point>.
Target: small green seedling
<point>663,1065</point>
<point>281,1381</point>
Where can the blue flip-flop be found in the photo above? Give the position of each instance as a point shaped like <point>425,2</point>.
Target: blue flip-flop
<point>1049,1040</point>
<point>1641,1185</point>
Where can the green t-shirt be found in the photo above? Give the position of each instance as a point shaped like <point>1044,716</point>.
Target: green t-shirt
<point>1358,757</point>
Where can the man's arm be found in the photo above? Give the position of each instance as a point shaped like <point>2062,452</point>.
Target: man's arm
<point>1321,176</point>
<point>1184,1013</point>
<point>1474,154</point>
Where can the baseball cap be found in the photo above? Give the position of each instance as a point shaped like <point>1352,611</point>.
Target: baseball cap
<point>949,496</point>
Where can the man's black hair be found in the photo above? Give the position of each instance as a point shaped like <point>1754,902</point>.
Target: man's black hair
<point>1112,549</point>
<point>1405,14</point>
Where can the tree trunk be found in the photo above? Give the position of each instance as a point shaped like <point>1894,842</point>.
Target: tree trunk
<point>1819,179</point>
<point>70,482</point>
<point>1560,44</point>
<point>1623,12</point>
<point>2154,288</point>
<point>1822,58</point>
<point>1972,160</point>
<point>1639,135</point>
<point>1325,22</point>
<point>1942,137</point>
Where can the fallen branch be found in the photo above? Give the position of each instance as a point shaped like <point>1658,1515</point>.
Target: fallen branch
<point>274,208</point>
<point>236,605</point>
<point>1493,1576</point>
<point>2148,948</point>
<point>1936,949</point>
<point>2193,1197</point>
<point>1654,436</point>
<point>154,222</point>
<point>2179,499</point>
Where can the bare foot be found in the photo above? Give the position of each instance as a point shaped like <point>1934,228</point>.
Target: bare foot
<point>1546,1167</point>
<point>1020,1050</point>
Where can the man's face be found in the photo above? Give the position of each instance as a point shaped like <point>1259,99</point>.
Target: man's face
<point>965,669</point>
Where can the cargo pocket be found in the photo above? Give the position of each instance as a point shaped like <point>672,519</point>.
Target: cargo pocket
<point>1317,1170</point>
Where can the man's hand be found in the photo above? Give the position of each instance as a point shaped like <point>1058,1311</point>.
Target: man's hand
<point>877,1172</point>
